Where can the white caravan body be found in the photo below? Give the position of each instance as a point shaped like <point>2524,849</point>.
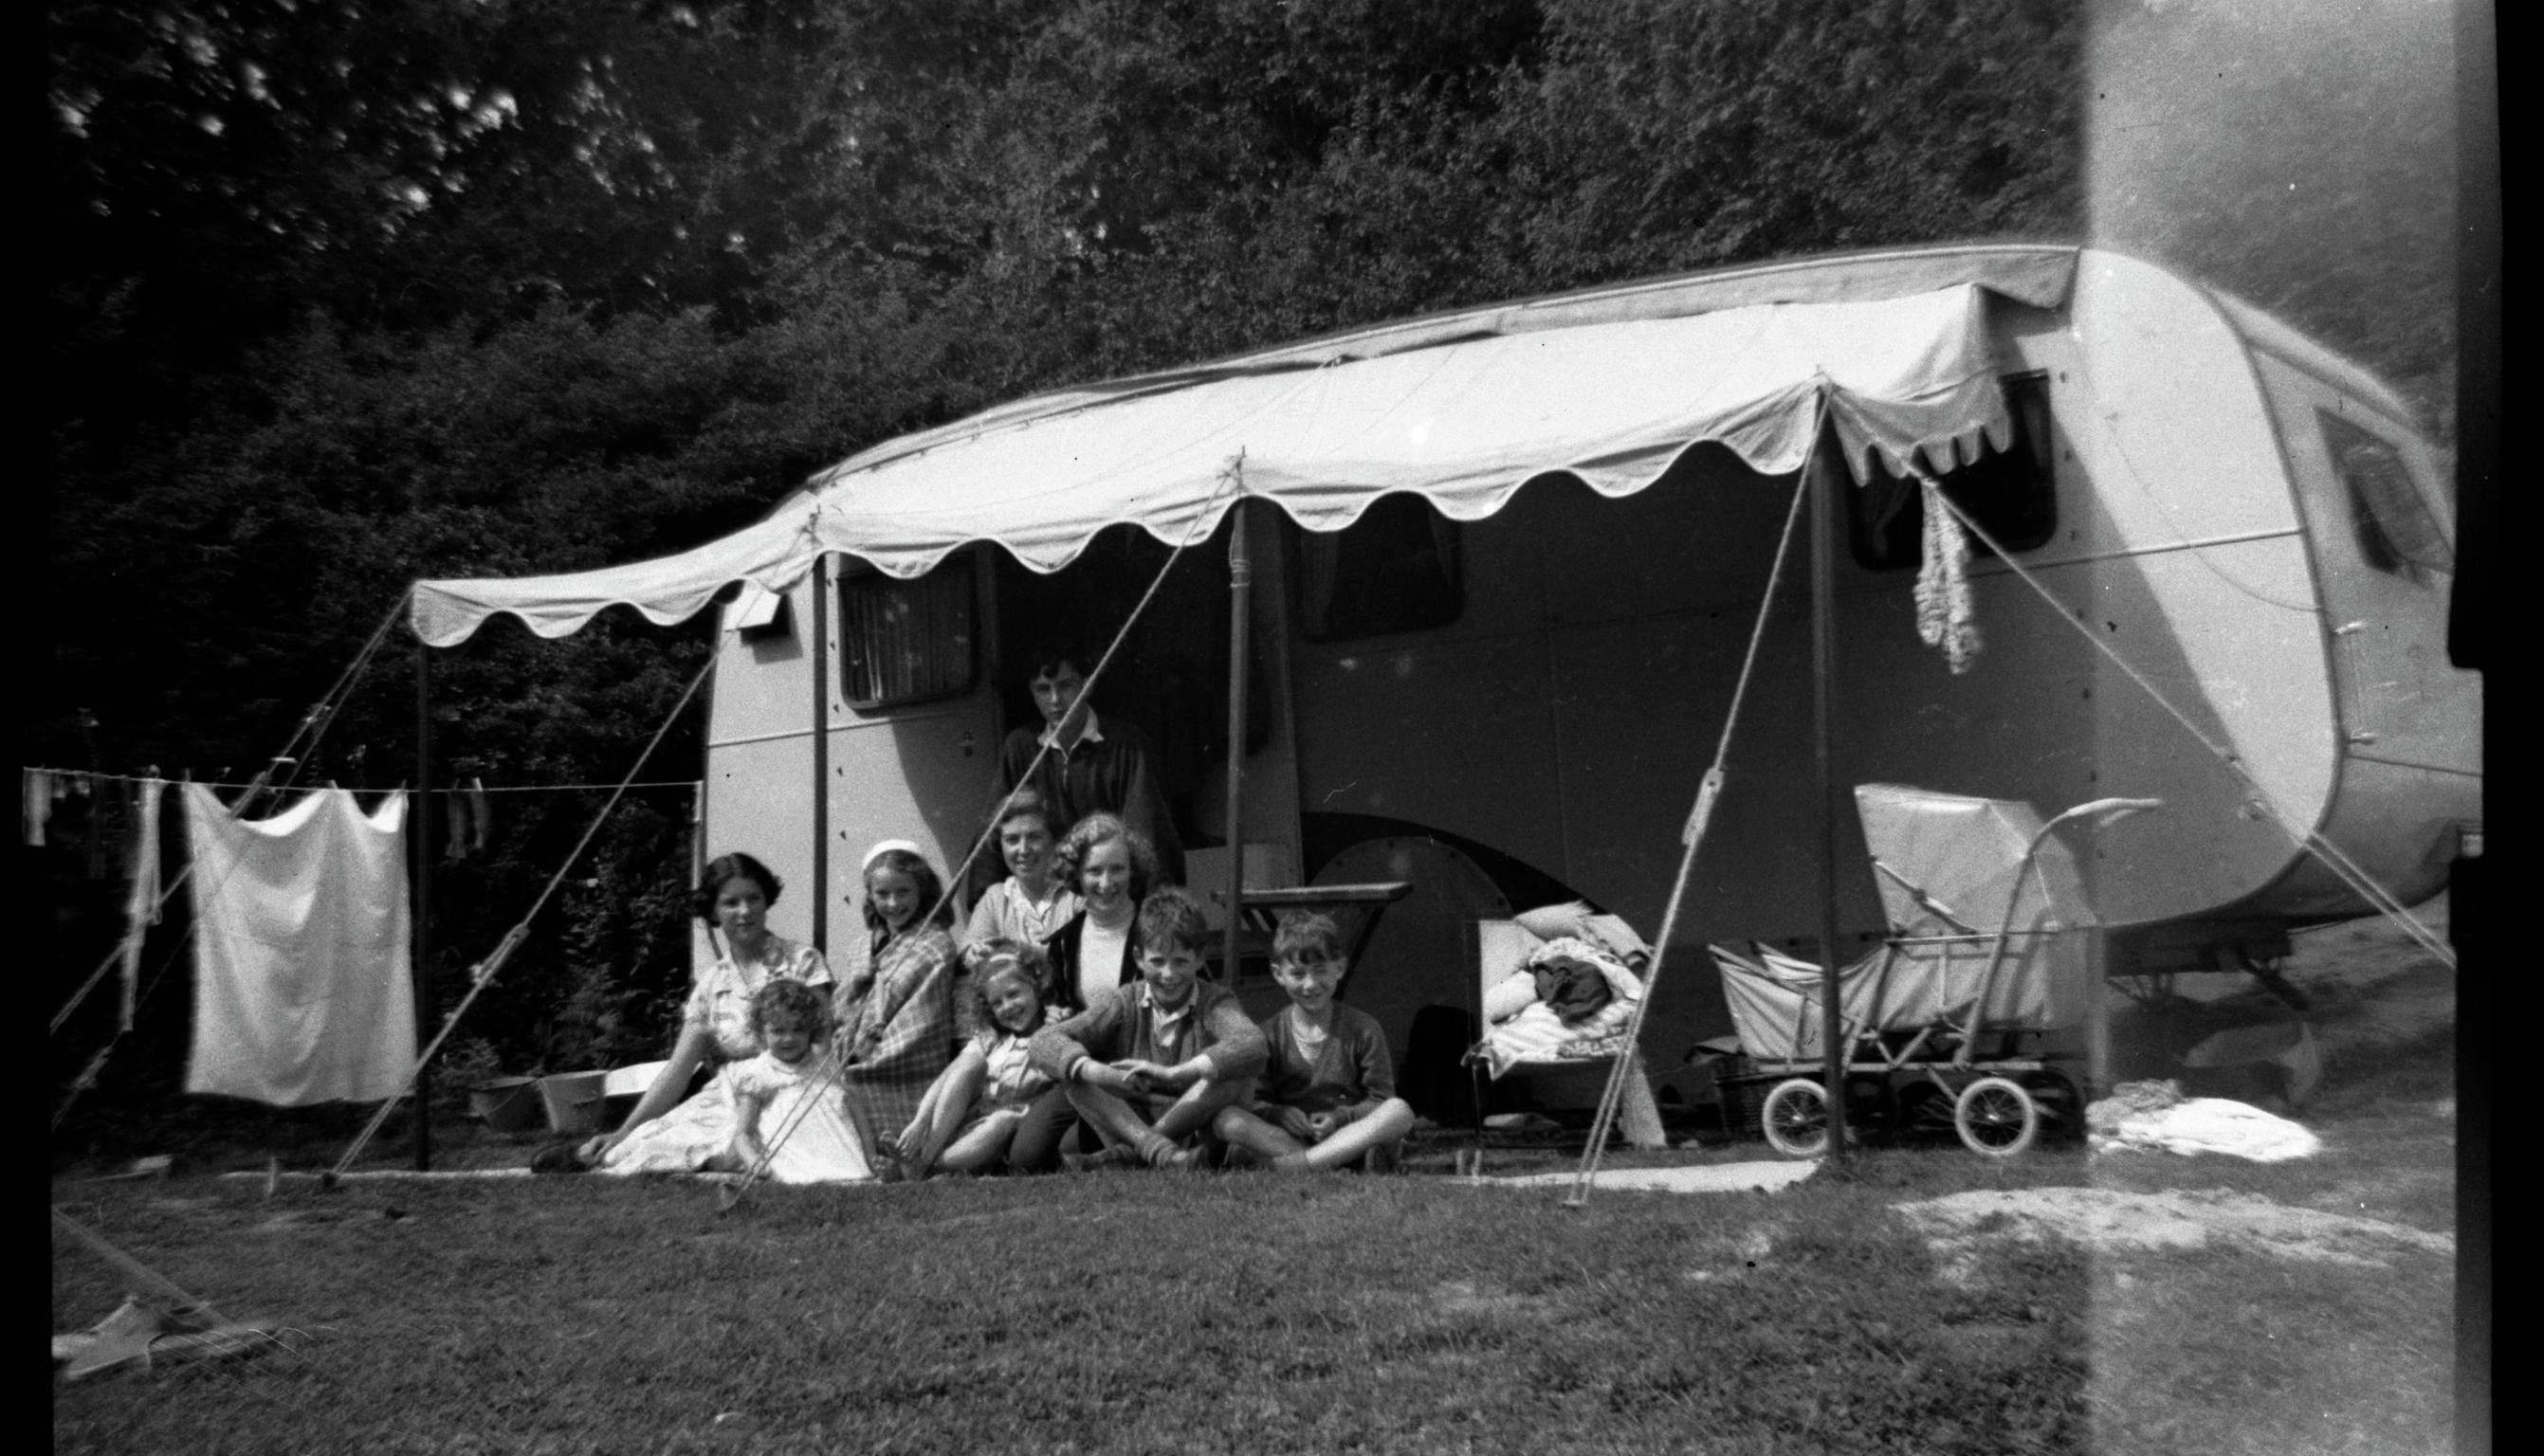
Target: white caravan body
<point>2247,521</point>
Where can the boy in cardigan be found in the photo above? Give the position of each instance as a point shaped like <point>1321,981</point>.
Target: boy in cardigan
<point>1151,1064</point>
<point>1328,1092</point>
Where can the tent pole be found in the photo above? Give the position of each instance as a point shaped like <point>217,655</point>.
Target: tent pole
<point>1240,581</point>
<point>822,756</point>
<point>1824,527</point>
<point>419,842</point>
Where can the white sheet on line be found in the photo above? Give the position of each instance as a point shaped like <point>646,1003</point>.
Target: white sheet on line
<point>303,988</point>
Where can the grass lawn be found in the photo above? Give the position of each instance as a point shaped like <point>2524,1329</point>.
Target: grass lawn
<point>1112,1312</point>
<point>1245,1312</point>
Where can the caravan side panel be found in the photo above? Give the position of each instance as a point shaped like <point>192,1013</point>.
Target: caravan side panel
<point>760,759</point>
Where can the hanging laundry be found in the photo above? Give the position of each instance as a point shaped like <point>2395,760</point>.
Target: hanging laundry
<point>480,823</point>
<point>36,804</point>
<point>465,809</point>
<point>454,838</point>
<point>142,902</point>
<point>1946,616</point>
<point>303,988</point>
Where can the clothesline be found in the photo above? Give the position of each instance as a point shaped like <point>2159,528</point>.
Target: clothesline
<point>67,774</point>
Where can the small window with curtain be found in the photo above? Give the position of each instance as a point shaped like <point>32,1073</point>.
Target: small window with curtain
<point>2396,532</point>
<point>906,642</point>
<point>2012,494</point>
<point>1394,569</point>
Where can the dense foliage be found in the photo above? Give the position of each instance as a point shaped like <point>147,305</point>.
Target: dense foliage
<point>349,293</point>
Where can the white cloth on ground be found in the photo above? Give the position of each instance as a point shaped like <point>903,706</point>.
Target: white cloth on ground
<point>302,989</point>
<point>2153,1117</point>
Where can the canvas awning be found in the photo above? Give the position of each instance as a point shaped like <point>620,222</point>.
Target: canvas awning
<point>1610,388</point>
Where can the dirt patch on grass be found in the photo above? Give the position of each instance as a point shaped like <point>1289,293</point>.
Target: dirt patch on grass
<point>2113,1220</point>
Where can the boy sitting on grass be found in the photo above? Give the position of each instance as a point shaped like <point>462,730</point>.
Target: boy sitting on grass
<point>1328,1092</point>
<point>1150,1064</point>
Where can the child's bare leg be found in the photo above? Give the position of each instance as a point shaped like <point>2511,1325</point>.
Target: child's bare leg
<point>1392,1120</point>
<point>1112,1118</point>
<point>1240,1128</point>
<point>941,1112</point>
<point>1200,1105</point>
<point>984,1143</point>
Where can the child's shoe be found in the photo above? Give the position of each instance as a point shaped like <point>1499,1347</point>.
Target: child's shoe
<point>560,1157</point>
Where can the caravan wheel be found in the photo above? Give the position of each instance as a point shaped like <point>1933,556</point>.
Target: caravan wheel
<point>1796,1119</point>
<point>1995,1117</point>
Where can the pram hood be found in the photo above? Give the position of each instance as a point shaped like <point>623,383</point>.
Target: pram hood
<point>1966,855</point>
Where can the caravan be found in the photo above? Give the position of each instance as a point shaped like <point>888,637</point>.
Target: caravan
<point>1505,565</point>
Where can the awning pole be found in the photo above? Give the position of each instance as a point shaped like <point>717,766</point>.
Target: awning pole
<point>418,852</point>
<point>1240,583</point>
<point>821,649</point>
<point>1824,529</point>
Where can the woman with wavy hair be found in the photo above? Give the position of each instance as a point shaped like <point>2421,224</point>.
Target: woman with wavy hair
<point>666,1135</point>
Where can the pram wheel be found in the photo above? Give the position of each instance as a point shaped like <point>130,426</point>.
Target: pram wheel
<point>1995,1117</point>
<point>2062,1109</point>
<point>1796,1119</point>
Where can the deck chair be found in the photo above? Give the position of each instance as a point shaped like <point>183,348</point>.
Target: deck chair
<point>1499,950</point>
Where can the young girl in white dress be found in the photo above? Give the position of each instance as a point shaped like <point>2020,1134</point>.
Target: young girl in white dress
<point>790,1110</point>
<point>665,1133</point>
<point>971,1114</point>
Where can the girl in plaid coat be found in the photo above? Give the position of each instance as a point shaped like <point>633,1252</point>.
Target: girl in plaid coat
<point>896,1018</point>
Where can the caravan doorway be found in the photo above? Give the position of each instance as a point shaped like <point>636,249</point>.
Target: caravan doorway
<point>1170,677</point>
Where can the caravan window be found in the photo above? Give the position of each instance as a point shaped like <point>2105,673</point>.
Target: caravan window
<point>2012,492</point>
<point>2395,530</point>
<point>902,641</point>
<point>1394,569</point>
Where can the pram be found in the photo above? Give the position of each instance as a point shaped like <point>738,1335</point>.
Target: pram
<point>1943,1023</point>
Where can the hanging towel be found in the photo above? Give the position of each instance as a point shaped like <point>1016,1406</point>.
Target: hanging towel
<point>37,788</point>
<point>302,992</point>
<point>454,841</point>
<point>468,820</point>
<point>1945,617</point>
<point>141,903</point>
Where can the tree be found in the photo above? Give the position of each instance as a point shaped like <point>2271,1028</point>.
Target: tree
<point>352,292</point>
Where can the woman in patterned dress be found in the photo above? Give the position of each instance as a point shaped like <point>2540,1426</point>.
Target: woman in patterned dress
<point>665,1134</point>
<point>896,1018</point>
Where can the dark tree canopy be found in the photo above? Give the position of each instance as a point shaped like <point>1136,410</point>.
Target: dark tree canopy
<point>349,293</point>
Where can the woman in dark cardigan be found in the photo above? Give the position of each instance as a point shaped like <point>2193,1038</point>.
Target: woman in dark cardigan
<point>1111,866</point>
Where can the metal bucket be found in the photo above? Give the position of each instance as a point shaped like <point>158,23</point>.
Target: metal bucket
<point>574,1102</point>
<point>506,1104</point>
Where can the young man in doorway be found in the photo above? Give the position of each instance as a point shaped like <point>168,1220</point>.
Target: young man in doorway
<point>1095,763</point>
